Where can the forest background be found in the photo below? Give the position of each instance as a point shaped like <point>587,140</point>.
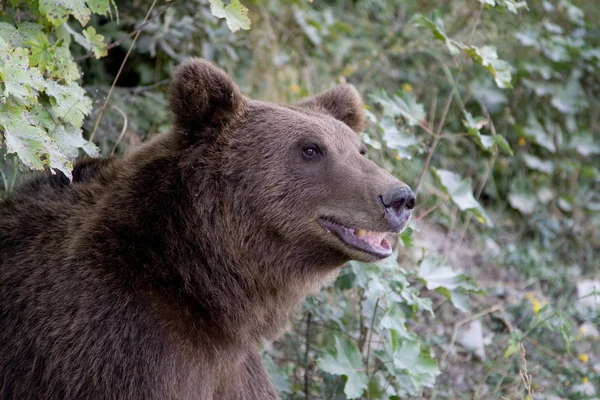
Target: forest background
<point>489,109</point>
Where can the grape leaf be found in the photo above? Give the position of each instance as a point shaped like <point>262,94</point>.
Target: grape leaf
<point>488,57</point>
<point>346,361</point>
<point>510,5</point>
<point>95,42</point>
<point>461,193</point>
<point>32,144</point>
<point>58,11</point>
<point>41,52</point>
<point>100,7</point>
<point>436,26</point>
<point>234,13</point>
<point>402,104</point>
<point>19,80</point>
<point>64,67</point>
<point>486,142</point>
<point>439,276</point>
<point>69,102</point>
<point>69,141</point>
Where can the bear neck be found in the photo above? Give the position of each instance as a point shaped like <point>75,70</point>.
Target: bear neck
<point>225,279</point>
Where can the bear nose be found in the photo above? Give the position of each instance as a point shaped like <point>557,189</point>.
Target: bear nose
<point>399,199</point>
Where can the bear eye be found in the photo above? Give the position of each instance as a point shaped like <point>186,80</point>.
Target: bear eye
<point>311,151</point>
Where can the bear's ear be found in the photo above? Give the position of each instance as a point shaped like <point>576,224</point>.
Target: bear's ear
<point>342,102</point>
<point>204,96</point>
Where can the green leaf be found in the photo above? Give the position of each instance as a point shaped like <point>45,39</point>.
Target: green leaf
<point>411,366</point>
<point>32,144</point>
<point>100,7</point>
<point>510,5</point>
<point>473,126</point>
<point>234,13</point>
<point>64,68</point>
<point>524,202</point>
<point>19,80</point>
<point>488,57</point>
<point>69,141</point>
<point>42,53</point>
<point>57,11</point>
<point>346,361</point>
<point>395,139</point>
<point>69,103</point>
<point>501,142</point>
<point>436,26</point>
<point>538,135</point>
<point>513,343</point>
<point>461,193</point>
<point>402,104</point>
<point>9,34</point>
<point>95,42</point>
<point>408,356</point>
<point>571,98</point>
<point>535,163</point>
<point>439,276</point>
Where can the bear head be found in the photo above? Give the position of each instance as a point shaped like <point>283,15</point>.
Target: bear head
<point>296,173</point>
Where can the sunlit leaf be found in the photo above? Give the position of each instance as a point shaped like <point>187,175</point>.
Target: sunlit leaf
<point>234,13</point>
<point>32,144</point>
<point>69,102</point>
<point>95,42</point>
<point>535,163</point>
<point>509,5</point>
<point>18,78</point>
<point>58,11</point>
<point>524,202</point>
<point>537,133</point>
<point>570,98</point>
<point>402,104</point>
<point>488,57</point>
<point>461,193</point>
<point>439,276</point>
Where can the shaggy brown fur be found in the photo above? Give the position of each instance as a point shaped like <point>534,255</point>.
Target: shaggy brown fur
<point>156,275</point>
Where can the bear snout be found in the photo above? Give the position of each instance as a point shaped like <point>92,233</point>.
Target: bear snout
<point>398,203</point>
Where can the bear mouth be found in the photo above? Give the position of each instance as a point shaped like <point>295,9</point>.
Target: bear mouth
<point>373,243</point>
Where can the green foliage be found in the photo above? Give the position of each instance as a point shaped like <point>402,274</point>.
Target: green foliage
<point>42,105</point>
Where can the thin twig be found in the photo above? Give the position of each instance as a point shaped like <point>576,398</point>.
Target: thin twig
<point>473,317</point>
<point>427,212</point>
<point>123,131</point>
<point>436,138</point>
<point>119,73</point>
<point>137,30</point>
<point>369,345</point>
<point>306,366</point>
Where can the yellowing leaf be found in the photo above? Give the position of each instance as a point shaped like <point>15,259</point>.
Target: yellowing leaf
<point>95,42</point>
<point>234,13</point>
<point>58,11</point>
<point>19,80</point>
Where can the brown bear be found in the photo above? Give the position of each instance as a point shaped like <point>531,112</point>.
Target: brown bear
<point>155,275</point>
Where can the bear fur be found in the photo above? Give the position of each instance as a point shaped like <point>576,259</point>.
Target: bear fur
<point>157,274</point>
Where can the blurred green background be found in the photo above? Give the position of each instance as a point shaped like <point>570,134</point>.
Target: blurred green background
<point>488,108</point>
